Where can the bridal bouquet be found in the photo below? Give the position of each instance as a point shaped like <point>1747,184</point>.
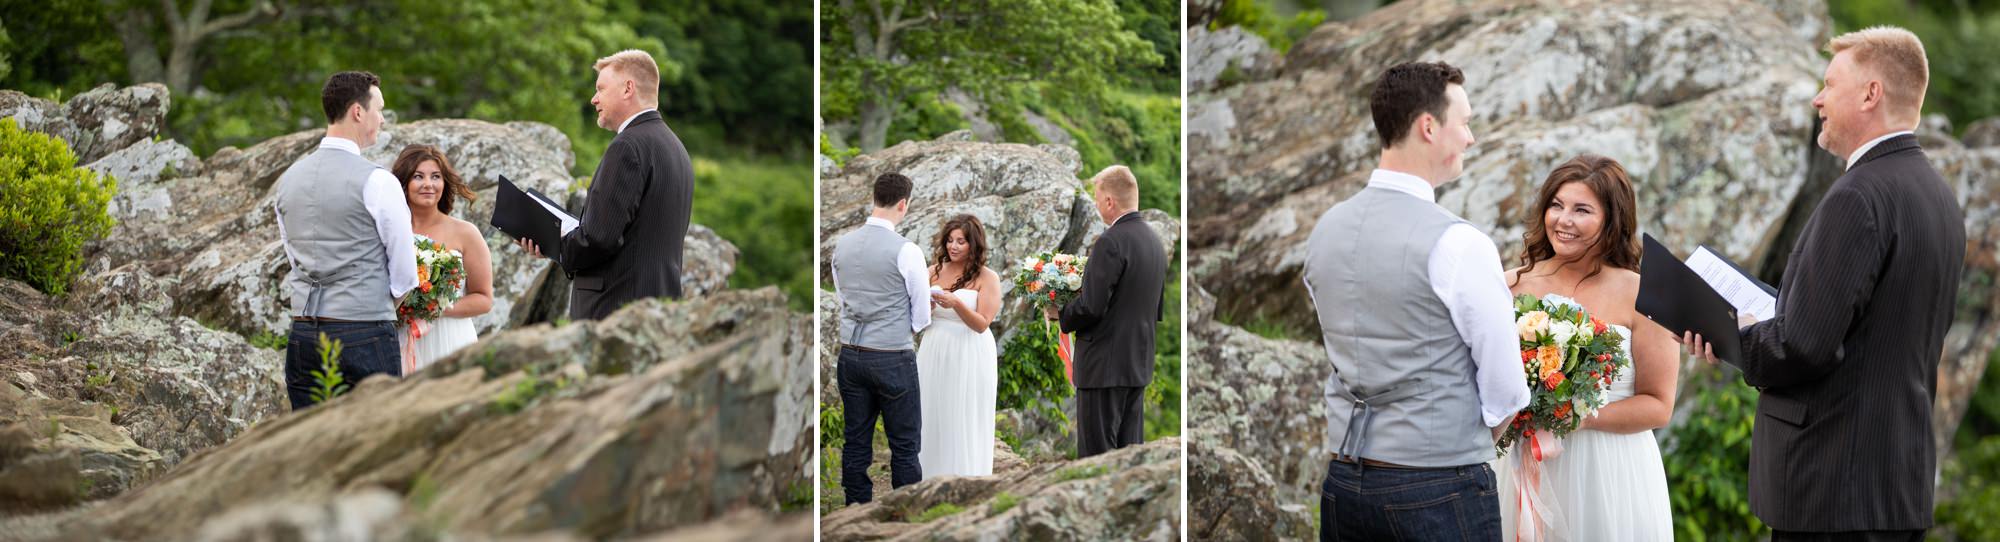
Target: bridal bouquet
<point>1052,279</point>
<point>1570,359</point>
<point>440,281</point>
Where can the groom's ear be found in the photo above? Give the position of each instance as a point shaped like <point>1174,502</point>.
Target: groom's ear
<point>1872,99</point>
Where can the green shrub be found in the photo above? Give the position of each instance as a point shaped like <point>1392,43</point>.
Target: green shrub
<point>1081,473</point>
<point>941,510</point>
<point>49,209</point>
<point>1002,503</point>
<point>1163,395</point>
<point>327,380</point>
<point>1258,18</point>
<point>1031,376</point>
<point>1707,461</point>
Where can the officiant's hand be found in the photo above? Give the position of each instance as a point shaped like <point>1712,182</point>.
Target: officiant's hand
<point>528,246</point>
<point>1698,347</point>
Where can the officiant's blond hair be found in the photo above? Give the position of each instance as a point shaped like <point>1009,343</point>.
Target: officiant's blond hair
<point>1897,57</point>
<point>1118,182</point>
<point>639,66</point>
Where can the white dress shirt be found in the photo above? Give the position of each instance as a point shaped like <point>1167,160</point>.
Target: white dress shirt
<point>628,120</point>
<point>383,197</point>
<point>1465,273</point>
<point>916,276</point>
<point>1865,147</point>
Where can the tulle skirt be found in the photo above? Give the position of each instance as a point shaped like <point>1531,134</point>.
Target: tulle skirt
<point>958,376</point>
<point>1602,486</point>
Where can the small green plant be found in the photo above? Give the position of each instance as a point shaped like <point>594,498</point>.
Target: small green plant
<point>798,497</point>
<point>270,340</point>
<point>1080,473</point>
<point>55,429</point>
<point>49,209</point>
<point>97,380</point>
<point>1001,504</point>
<point>327,380</point>
<point>71,337</point>
<point>524,393</point>
<point>942,509</point>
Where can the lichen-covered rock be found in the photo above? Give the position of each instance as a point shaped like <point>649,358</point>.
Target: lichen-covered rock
<point>1226,55</point>
<point>97,122</point>
<point>664,415</point>
<point>1232,498</point>
<point>1127,494</point>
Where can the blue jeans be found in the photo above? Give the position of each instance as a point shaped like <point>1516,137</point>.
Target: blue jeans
<point>884,384</point>
<point>1383,503</point>
<point>366,348</point>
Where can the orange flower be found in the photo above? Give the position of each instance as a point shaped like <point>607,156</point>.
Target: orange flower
<point>424,285</point>
<point>423,272</point>
<point>1035,286</point>
<point>1038,267</point>
<point>1527,356</point>
<point>1550,357</point>
<point>1552,379</point>
<point>1562,411</point>
<point>1597,325</point>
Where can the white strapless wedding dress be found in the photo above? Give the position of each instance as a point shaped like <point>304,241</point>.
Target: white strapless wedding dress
<point>441,338</point>
<point>1603,486</point>
<point>958,376</point>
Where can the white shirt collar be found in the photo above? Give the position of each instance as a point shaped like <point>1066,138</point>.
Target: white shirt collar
<point>883,222</point>
<point>341,143</point>
<point>1403,182</point>
<point>1865,147</point>
<point>628,120</point>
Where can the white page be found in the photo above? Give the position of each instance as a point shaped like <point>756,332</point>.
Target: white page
<point>1741,291</point>
<point>568,222</point>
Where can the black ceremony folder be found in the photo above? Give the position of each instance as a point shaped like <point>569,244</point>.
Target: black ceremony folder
<point>1674,296</point>
<point>521,214</point>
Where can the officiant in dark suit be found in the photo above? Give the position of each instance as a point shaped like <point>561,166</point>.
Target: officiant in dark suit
<point>1113,317</point>
<point>628,242</point>
<point>1847,369</point>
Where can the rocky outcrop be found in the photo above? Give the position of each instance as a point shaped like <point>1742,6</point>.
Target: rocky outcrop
<point>1234,498</point>
<point>1128,494</point>
<point>96,123</point>
<point>662,416</point>
<point>212,222</point>
<point>1227,55</point>
<point>1701,101</point>
<point>115,377</point>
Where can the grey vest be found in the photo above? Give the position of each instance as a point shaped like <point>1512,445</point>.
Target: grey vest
<point>875,300</point>
<point>1402,390</point>
<point>341,269</point>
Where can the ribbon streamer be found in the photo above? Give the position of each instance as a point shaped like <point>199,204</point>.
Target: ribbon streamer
<point>1534,515</point>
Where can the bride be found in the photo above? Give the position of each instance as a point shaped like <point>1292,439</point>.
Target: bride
<point>431,186</point>
<point>1608,482</point>
<point>958,364</point>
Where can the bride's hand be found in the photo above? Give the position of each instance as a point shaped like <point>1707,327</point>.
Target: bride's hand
<point>946,300</point>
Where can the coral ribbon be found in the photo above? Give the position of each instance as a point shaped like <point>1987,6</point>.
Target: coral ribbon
<point>410,346</point>
<point>1534,515</point>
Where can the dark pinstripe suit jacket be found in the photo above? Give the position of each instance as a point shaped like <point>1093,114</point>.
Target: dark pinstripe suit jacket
<point>1848,367</point>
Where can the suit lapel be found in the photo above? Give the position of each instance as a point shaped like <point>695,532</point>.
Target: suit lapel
<point>1886,147</point>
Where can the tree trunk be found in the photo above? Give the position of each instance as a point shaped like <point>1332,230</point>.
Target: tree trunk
<point>876,112</point>
<point>142,58</point>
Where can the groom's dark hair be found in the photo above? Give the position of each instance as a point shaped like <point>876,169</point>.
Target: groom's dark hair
<point>344,89</point>
<point>1407,91</point>
<point>891,188</point>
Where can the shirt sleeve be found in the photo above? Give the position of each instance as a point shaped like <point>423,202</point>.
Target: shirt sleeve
<point>1465,273</point>
<point>910,260</point>
<point>384,200</point>
<point>1839,263</point>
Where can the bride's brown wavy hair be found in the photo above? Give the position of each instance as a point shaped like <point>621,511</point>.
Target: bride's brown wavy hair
<point>975,235</point>
<point>415,155</point>
<point>1605,177</point>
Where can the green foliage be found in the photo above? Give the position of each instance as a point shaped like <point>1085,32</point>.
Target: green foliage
<point>764,207</point>
<point>327,380</point>
<point>745,77</point>
<point>1031,376</point>
<point>798,497</point>
<point>1705,463</point>
<point>57,48</point>
<point>49,209</point>
<point>1163,395</point>
<point>1970,505</point>
<point>1073,48</point>
<point>272,340</point>
<point>832,425</point>
<point>838,155</point>
<point>524,393</point>
<point>1258,18</point>
<point>925,115</point>
<point>941,510</point>
<point>1080,473</point>
<point>1961,40</point>
<point>1002,503</point>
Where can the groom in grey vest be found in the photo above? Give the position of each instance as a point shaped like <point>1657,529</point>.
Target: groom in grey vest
<point>885,300</point>
<point>346,229</point>
<point>1419,326</point>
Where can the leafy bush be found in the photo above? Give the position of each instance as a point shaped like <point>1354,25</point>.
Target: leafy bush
<point>764,207</point>
<point>49,209</point>
<point>327,380</point>
<point>1707,460</point>
<point>1163,396</point>
<point>941,510</point>
<point>1969,507</point>
<point>1031,376</point>
<point>1259,19</point>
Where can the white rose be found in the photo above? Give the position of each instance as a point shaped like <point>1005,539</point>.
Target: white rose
<point>1562,331</point>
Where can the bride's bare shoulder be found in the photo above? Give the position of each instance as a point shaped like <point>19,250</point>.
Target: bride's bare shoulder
<point>465,232</point>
